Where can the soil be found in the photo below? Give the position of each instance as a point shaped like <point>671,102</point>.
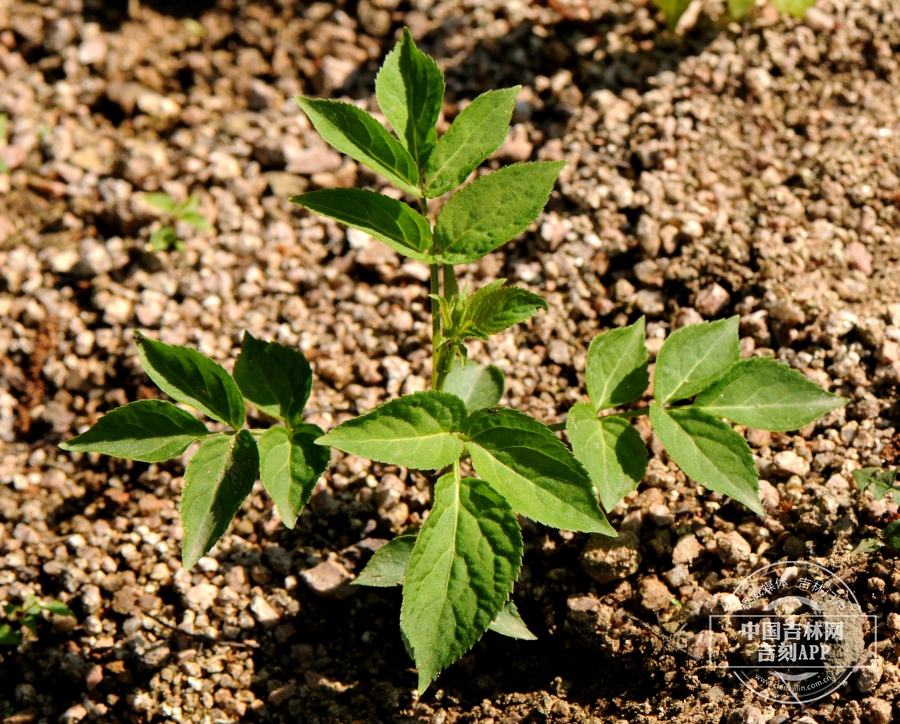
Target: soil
<point>737,169</point>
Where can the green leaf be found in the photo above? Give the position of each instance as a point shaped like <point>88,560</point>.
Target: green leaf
<point>494,308</point>
<point>478,131</point>
<point>217,480</point>
<point>616,370</point>
<point>290,465</point>
<point>160,201</point>
<point>493,209</point>
<point>274,377</point>
<point>148,430</point>
<point>188,376</point>
<point>797,8</point>
<point>673,10</point>
<point>611,450</point>
<point>739,9</point>
<point>878,482</point>
<point>353,131</point>
<point>477,385</point>
<point>162,238</point>
<point>9,636</point>
<point>767,395</point>
<point>891,534</point>
<point>387,219</point>
<point>415,431</point>
<point>530,467</point>
<point>410,91</point>
<point>387,566</point>
<point>462,569</point>
<point>57,607</point>
<point>708,451</point>
<point>694,357</point>
<point>867,545</point>
<point>510,623</point>
<point>198,221</point>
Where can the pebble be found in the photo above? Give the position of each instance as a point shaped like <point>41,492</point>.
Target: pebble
<point>791,463</point>
<point>201,597</point>
<point>653,594</point>
<point>328,579</point>
<point>686,549</point>
<point>608,559</point>
<point>732,548</point>
<point>868,673</point>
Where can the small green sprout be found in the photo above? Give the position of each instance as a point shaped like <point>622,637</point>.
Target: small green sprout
<point>737,9</point>
<point>26,616</point>
<point>164,238</point>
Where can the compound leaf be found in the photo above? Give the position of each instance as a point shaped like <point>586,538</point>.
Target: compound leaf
<point>478,131</point>
<point>188,376</point>
<point>387,566</point>
<point>494,308</point>
<point>410,91</point>
<point>694,357</point>
<point>510,623</point>
<point>148,430</point>
<point>463,566</point>
<point>767,395</point>
<point>290,465</point>
<point>493,209</point>
<point>530,467</point>
<point>616,369</point>
<point>709,451</point>
<point>477,385</point>
<point>387,219</point>
<point>415,431</point>
<point>274,377</point>
<point>611,450</point>
<point>217,480</point>
<point>353,131</point>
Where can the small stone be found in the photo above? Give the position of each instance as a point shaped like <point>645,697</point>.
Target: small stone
<point>63,261</point>
<point>118,311</point>
<point>791,463</point>
<point>312,160</point>
<point>877,711</point>
<point>711,300</point>
<point>818,20</point>
<point>93,51</point>
<point>279,696</point>
<point>285,184</point>
<point>73,714</point>
<point>654,595</point>
<point>679,576</point>
<point>661,515</point>
<point>868,673</point>
<point>747,715</point>
<point>156,105</point>
<point>758,80</point>
<point>686,549</point>
<point>608,559</point>
<point>156,657</point>
<point>329,578</point>
<point>93,677</point>
<point>201,597</point>
<point>264,611</point>
<point>279,559</point>
<point>721,604</point>
<point>859,257</point>
<point>732,548</point>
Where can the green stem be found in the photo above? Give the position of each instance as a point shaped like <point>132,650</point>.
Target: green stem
<point>435,307</point>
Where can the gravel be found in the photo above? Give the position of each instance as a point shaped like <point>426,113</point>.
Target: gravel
<point>742,170</point>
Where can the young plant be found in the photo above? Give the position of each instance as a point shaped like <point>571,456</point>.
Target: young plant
<point>164,238</point>
<point>459,571</point>
<point>737,9</point>
<point>880,483</point>
<point>26,616</point>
